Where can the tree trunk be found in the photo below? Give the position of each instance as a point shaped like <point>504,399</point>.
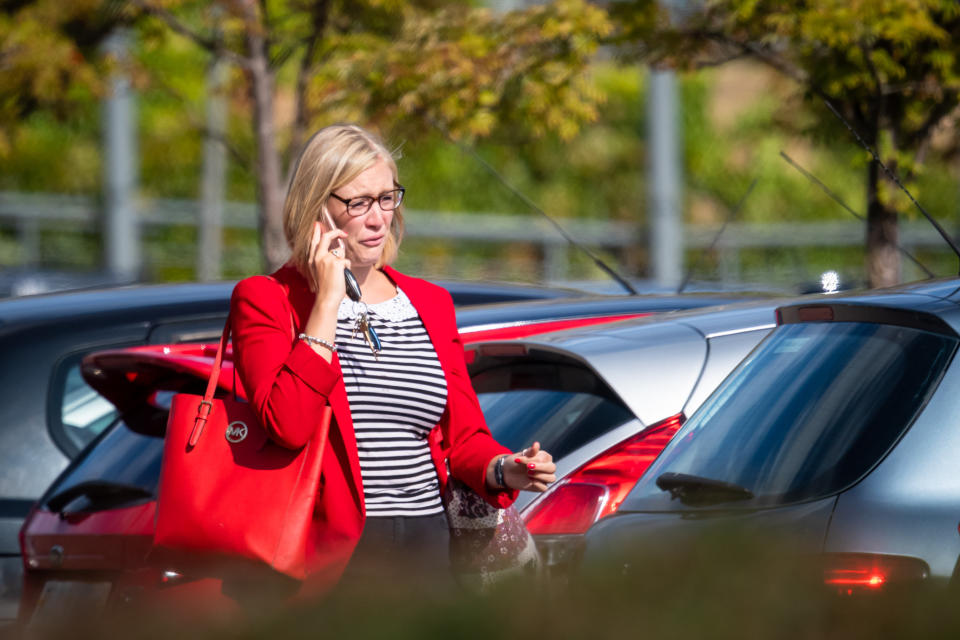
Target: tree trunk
<point>883,235</point>
<point>270,186</point>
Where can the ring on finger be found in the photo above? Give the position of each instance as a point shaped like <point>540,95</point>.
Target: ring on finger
<point>337,252</point>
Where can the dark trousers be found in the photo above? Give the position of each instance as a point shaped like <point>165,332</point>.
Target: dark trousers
<point>400,553</point>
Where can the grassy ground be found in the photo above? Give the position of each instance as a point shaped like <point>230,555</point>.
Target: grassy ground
<point>727,586</point>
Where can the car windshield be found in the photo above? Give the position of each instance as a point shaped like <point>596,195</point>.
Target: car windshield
<point>561,407</point>
<point>812,410</point>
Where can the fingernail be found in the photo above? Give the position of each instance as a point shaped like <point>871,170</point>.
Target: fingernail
<point>518,460</point>
<point>531,466</point>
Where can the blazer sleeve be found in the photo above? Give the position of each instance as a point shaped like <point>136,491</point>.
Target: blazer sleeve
<point>285,380</point>
<point>472,446</point>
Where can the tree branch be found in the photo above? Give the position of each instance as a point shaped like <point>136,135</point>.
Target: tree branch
<point>197,124</point>
<point>799,76</point>
<point>878,107</point>
<point>709,64</point>
<point>208,43</point>
<point>318,22</point>
<point>941,110</point>
<point>877,82</point>
<point>265,20</point>
<point>760,54</point>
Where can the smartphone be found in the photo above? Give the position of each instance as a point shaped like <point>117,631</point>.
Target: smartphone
<point>350,281</point>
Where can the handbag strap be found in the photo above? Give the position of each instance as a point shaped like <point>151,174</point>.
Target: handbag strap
<point>206,405</point>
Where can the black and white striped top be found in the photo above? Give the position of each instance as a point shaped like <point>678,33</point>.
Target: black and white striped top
<point>395,400</point>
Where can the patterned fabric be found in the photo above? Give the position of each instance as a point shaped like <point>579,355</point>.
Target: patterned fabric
<point>487,544</point>
<point>395,398</point>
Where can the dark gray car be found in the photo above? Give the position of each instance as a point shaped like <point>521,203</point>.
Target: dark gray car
<point>840,430</point>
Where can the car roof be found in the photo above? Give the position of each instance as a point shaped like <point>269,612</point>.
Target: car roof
<point>931,303</point>
<point>485,317</point>
<point>136,301</point>
<point>538,304</point>
<point>706,320</point>
<point>634,356</point>
<point>922,294</point>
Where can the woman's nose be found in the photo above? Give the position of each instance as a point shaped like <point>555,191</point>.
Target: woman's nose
<point>376,216</point>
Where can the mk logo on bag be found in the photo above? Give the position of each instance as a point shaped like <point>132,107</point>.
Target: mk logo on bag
<point>236,432</point>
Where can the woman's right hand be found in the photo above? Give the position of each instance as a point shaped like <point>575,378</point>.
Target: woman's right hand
<point>326,269</point>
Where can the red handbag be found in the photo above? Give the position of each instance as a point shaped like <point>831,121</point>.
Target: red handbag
<point>228,490</point>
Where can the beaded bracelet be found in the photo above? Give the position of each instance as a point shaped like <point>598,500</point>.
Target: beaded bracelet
<point>318,341</point>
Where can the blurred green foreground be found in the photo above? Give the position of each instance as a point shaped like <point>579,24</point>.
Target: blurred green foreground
<point>725,586</point>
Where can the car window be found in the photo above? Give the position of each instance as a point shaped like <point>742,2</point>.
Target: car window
<point>84,413</point>
<point>562,407</point>
<point>120,458</point>
<point>812,410</point>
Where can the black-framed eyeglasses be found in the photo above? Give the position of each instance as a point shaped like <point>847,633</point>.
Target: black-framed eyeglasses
<point>358,206</point>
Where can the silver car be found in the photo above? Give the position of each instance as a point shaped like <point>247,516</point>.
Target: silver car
<point>840,429</point>
<point>604,401</point>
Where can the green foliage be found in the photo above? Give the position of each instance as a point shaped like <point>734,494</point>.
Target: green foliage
<point>892,68</point>
<point>518,86</point>
<point>48,51</point>
<point>468,71</point>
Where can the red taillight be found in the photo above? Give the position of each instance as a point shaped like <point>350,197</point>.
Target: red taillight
<point>851,573</point>
<point>597,489</point>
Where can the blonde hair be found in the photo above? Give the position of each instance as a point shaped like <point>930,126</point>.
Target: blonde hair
<point>332,157</point>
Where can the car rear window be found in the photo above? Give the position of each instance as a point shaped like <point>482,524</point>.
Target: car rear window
<point>84,413</point>
<point>811,411</point>
<point>121,457</point>
<point>560,406</point>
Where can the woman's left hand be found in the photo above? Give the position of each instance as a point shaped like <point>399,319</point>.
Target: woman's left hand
<point>529,470</point>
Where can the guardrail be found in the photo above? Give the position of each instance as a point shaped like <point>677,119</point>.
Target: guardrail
<point>26,214</point>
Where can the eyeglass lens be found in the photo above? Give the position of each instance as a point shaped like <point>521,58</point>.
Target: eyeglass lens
<point>388,202</point>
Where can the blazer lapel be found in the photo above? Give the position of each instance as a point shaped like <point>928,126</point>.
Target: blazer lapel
<point>301,300</point>
<point>424,302</point>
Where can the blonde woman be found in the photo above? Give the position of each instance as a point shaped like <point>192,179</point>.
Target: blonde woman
<point>390,365</point>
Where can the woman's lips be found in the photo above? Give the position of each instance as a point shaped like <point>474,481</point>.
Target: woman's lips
<point>372,242</point>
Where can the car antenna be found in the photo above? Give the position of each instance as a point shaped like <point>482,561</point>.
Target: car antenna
<point>812,178</point>
<point>496,174</point>
<point>943,234</point>
<point>713,244</point>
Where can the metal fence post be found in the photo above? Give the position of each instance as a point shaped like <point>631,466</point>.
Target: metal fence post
<point>122,235</point>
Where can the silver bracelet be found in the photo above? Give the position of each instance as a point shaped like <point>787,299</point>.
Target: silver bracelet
<point>498,472</point>
<point>318,341</point>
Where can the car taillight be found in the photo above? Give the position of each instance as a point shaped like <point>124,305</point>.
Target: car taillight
<point>851,573</point>
<point>596,490</point>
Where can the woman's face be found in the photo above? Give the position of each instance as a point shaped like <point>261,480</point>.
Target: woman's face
<point>366,233</point>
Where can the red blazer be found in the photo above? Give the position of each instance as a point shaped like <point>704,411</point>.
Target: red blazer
<point>288,384</point>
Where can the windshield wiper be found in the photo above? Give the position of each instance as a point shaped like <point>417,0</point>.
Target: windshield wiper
<point>95,495</point>
<point>697,491</point>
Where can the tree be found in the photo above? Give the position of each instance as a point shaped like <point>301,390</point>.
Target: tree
<point>892,69</point>
<point>404,66</point>
<point>49,56</point>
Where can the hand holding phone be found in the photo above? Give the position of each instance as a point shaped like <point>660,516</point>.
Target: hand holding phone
<point>350,281</point>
